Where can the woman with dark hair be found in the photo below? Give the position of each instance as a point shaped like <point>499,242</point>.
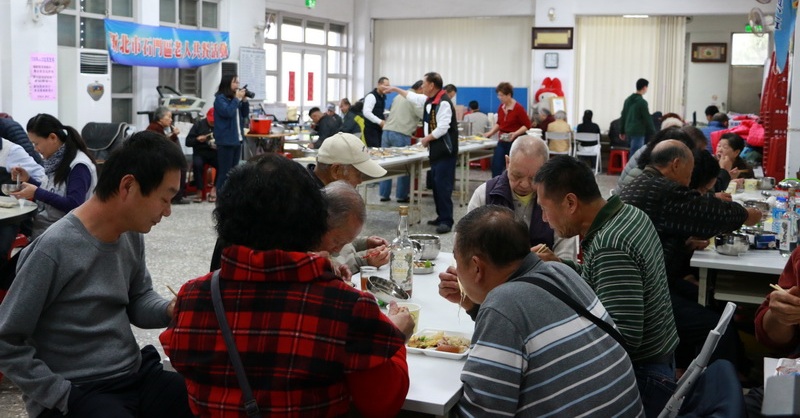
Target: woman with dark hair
<point>512,120</point>
<point>730,147</point>
<point>349,124</point>
<point>588,126</point>
<point>162,124</point>
<point>230,113</point>
<point>68,165</point>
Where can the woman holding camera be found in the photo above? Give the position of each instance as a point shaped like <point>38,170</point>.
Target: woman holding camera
<point>230,113</point>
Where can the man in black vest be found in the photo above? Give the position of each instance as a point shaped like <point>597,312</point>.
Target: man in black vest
<point>441,138</point>
<point>515,190</point>
<point>374,105</point>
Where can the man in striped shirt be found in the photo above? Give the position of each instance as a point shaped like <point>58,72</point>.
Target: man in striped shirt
<point>533,359</point>
<point>622,262</point>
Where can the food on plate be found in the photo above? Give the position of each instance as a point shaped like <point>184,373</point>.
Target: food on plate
<point>423,264</point>
<point>439,342</point>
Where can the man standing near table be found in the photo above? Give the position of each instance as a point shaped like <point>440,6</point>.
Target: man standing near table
<point>636,124</point>
<point>678,214</point>
<point>532,359</point>
<point>622,262</point>
<point>441,138</point>
<point>374,106</point>
<point>65,326</point>
<point>514,189</point>
<point>401,124</point>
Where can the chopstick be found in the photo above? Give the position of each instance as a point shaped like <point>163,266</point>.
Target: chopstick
<point>172,290</point>
<point>778,288</point>
<point>542,249</point>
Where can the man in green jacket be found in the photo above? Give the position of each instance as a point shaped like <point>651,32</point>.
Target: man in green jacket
<point>636,123</point>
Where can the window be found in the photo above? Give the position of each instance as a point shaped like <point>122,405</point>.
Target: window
<point>749,49</point>
<point>190,13</point>
<point>185,80</point>
<point>308,57</point>
<point>121,93</point>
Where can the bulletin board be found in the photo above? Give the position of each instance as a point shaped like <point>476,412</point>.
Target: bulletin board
<point>253,71</point>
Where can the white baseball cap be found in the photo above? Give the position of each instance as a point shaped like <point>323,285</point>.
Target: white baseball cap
<point>344,148</point>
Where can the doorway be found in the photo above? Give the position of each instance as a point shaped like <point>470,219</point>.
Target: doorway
<point>302,77</point>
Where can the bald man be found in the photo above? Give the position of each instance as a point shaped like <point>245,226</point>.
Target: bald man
<point>514,189</point>
<point>678,214</point>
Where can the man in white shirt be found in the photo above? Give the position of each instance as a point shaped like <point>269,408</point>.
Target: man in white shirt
<point>374,106</point>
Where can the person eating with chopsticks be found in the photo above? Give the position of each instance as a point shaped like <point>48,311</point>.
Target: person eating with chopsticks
<point>514,189</point>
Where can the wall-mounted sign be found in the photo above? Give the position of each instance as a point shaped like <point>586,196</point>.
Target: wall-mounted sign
<point>42,79</point>
<point>156,46</point>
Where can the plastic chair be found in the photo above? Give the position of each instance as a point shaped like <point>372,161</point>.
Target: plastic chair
<point>559,136</point>
<point>588,145</point>
<point>698,365</point>
<point>617,160</point>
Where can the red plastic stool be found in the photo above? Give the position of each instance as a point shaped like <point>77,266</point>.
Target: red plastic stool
<point>617,160</point>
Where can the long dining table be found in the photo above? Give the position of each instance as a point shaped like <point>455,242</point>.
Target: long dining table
<point>748,279</point>
<point>435,382</point>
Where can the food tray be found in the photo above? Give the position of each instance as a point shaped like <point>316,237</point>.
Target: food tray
<point>424,270</point>
<point>442,354</point>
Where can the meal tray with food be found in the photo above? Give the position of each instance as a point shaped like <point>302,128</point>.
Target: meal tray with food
<point>424,267</point>
<point>437,343</point>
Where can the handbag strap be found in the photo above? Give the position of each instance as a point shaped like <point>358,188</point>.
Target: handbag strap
<point>250,405</point>
<point>580,309</point>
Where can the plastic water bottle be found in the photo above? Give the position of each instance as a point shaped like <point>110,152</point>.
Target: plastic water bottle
<point>788,234</point>
<point>777,214</point>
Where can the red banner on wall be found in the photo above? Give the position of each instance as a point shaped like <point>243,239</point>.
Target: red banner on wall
<point>291,86</point>
<point>310,87</point>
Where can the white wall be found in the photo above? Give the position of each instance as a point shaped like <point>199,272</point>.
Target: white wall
<point>19,38</point>
<point>707,83</point>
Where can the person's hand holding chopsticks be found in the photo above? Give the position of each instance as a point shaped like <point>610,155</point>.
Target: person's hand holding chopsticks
<point>784,305</point>
<point>544,252</point>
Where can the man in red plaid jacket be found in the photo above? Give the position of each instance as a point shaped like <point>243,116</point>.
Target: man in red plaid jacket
<point>311,344</point>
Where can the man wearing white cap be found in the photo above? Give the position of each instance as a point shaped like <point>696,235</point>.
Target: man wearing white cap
<point>344,157</point>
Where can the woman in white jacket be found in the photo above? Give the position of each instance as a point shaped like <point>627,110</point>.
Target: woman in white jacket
<point>71,175</point>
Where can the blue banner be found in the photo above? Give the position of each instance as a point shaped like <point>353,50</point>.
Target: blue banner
<point>785,15</point>
<point>156,46</point>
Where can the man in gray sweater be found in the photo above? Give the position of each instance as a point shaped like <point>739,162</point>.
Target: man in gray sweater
<point>65,326</point>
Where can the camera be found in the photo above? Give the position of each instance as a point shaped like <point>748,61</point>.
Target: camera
<point>248,93</point>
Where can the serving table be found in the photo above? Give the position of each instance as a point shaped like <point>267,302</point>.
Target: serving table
<point>15,214</point>
<point>760,268</point>
<point>435,382</point>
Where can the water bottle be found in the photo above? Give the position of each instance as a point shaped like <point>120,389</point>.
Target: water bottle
<point>788,234</point>
<point>777,213</point>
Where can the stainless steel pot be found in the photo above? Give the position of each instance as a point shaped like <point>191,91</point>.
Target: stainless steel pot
<point>731,244</point>
<point>766,183</point>
<point>427,245</point>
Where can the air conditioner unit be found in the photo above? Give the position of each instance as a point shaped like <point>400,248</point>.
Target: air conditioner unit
<point>84,86</point>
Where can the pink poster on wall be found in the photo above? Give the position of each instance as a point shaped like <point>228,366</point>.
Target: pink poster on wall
<point>42,80</point>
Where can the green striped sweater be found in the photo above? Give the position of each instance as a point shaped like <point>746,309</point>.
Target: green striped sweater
<point>624,263</point>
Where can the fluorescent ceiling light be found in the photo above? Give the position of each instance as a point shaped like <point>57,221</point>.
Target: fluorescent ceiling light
<point>635,16</point>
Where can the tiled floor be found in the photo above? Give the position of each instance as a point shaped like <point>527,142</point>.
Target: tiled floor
<point>180,247</point>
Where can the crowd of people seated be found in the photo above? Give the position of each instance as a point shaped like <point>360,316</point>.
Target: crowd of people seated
<point>312,345</point>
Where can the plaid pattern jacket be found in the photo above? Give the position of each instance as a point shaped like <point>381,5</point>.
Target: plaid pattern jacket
<point>298,328</point>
